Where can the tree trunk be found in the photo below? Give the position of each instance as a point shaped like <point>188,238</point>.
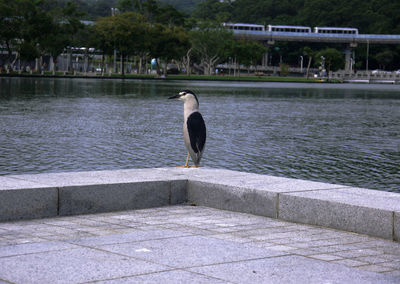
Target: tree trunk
<point>308,66</point>
<point>17,55</point>
<point>102,64</point>
<point>54,65</point>
<point>188,61</point>
<point>9,49</point>
<point>121,64</point>
<point>158,68</point>
<point>165,68</point>
<point>69,60</point>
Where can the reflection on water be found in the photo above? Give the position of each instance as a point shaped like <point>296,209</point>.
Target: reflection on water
<point>346,134</point>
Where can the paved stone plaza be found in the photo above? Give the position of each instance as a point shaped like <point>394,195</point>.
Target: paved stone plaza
<point>189,244</point>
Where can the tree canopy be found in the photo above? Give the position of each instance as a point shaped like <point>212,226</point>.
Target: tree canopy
<point>369,16</point>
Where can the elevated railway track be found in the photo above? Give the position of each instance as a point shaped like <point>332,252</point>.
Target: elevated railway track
<point>268,36</point>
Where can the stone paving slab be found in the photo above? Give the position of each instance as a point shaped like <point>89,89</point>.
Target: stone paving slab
<point>168,277</point>
<point>72,266</point>
<point>34,247</point>
<point>189,251</point>
<point>181,244</point>
<point>289,269</point>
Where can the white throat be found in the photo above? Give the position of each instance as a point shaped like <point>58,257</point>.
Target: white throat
<point>190,105</point>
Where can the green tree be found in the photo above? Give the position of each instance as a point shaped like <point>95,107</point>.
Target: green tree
<point>334,59</point>
<point>246,52</point>
<point>169,16</point>
<point>255,52</point>
<point>125,32</point>
<point>384,58</point>
<point>10,23</point>
<point>167,44</point>
<point>212,10</point>
<point>63,29</point>
<point>36,26</point>
<point>211,42</point>
<point>23,25</point>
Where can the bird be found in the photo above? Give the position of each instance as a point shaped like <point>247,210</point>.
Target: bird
<point>194,127</point>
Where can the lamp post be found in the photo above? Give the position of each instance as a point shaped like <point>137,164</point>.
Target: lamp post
<point>322,65</point>
<point>115,11</point>
<point>367,55</point>
<point>301,64</point>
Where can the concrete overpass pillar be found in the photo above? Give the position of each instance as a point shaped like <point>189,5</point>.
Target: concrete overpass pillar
<point>267,44</point>
<point>349,57</point>
<point>265,60</point>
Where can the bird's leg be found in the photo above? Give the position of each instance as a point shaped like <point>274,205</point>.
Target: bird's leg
<point>187,162</point>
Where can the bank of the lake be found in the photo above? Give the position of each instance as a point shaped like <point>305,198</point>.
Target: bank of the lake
<point>242,78</point>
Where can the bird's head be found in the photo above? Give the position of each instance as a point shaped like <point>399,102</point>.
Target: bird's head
<point>186,96</point>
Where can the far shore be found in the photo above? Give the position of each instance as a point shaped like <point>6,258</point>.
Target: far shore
<point>242,78</point>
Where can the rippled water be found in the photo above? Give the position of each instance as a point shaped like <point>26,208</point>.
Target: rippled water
<point>345,134</point>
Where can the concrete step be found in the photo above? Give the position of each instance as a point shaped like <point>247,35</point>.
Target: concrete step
<point>360,210</point>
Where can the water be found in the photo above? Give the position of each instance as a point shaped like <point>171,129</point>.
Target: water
<point>344,134</point>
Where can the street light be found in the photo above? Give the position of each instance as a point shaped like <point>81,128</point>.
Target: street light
<point>301,64</point>
<point>115,11</point>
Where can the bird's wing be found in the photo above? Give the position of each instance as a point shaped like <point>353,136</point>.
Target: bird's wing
<point>197,131</point>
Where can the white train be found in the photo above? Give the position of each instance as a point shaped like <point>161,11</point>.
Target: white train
<point>244,27</point>
<point>290,29</point>
<point>330,30</point>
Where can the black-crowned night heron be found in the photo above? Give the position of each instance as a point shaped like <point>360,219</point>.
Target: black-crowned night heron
<point>194,128</point>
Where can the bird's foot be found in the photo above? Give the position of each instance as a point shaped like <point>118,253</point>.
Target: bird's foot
<point>187,166</point>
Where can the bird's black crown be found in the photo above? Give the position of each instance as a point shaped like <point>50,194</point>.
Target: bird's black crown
<point>190,92</point>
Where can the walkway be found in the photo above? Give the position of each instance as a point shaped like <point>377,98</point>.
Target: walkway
<point>189,244</point>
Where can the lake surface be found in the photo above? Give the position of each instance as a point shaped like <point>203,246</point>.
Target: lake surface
<point>344,134</point>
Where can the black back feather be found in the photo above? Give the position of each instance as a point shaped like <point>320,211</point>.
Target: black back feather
<point>197,131</point>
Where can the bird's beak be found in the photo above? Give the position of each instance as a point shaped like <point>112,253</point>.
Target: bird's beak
<point>174,97</point>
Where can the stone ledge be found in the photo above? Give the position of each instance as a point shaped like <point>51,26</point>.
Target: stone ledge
<point>346,208</point>
<point>28,203</point>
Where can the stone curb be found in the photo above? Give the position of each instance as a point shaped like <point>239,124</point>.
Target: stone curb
<point>359,210</point>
